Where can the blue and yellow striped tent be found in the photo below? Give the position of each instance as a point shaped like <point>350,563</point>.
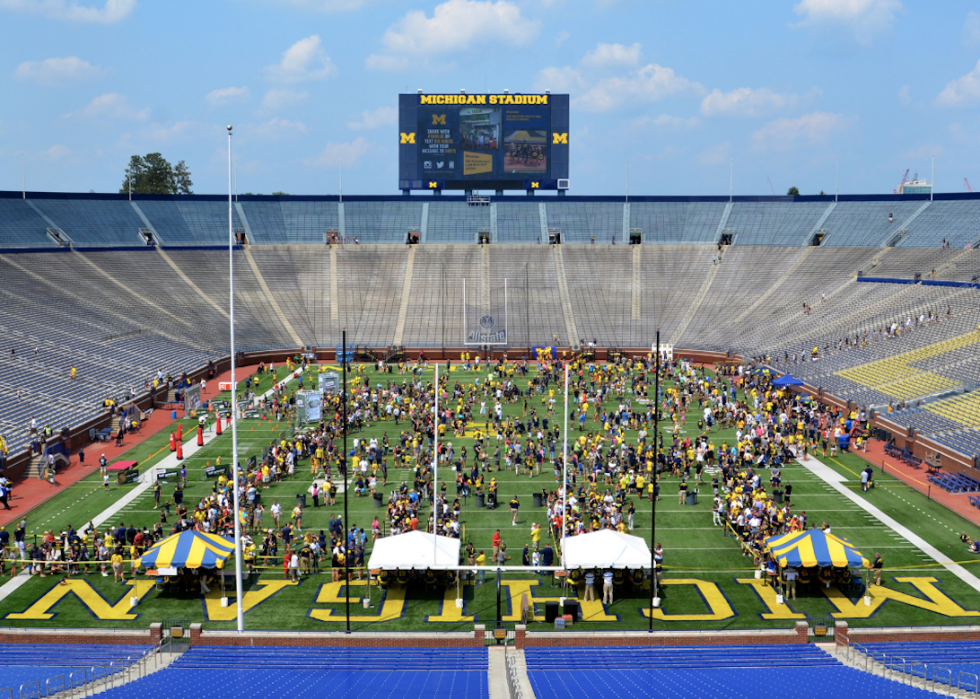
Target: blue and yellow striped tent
<point>814,548</point>
<point>189,549</point>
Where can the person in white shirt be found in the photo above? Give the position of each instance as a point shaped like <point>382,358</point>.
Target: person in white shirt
<point>607,587</point>
<point>590,586</point>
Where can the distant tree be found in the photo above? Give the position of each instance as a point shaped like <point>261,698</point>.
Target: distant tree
<point>153,174</point>
<point>793,192</point>
<point>280,194</point>
<point>822,192</point>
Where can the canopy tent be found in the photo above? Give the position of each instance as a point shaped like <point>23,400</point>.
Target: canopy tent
<point>414,551</point>
<point>763,371</point>
<point>786,380</point>
<point>814,548</point>
<point>606,549</point>
<point>189,549</point>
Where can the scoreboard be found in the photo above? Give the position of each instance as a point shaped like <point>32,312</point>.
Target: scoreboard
<point>482,141</point>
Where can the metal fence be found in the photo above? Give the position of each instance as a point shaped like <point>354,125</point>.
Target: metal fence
<point>513,675</point>
<point>909,671</point>
<point>90,681</point>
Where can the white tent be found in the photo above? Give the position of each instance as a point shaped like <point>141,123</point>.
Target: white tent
<point>414,551</point>
<point>606,549</point>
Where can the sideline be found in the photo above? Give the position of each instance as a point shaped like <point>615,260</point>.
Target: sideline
<point>189,448</point>
<point>835,481</point>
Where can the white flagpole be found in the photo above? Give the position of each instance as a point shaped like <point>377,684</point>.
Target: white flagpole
<point>435,467</point>
<point>564,473</point>
<point>234,405</point>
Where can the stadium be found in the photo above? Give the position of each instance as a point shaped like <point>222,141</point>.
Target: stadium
<point>699,444</point>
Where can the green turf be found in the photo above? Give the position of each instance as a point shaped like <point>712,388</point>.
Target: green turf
<point>694,550</point>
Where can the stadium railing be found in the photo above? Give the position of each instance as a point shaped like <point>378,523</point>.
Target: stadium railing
<point>931,677</point>
<point>513,671</point>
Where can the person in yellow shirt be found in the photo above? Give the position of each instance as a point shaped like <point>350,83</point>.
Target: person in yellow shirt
<point>117,566</point>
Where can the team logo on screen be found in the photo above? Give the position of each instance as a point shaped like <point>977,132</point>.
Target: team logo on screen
<point>438,119</point>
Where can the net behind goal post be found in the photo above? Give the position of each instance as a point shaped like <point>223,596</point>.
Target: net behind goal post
<point>485,315</point>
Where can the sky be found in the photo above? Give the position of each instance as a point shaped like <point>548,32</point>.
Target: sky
<point>679,94</point>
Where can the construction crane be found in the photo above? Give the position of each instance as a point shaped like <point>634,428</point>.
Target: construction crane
<point>968,187</point>
<point>771,187</point>
<point>905,178</point>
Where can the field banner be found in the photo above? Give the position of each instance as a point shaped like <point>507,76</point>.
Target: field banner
<point>192,398</point>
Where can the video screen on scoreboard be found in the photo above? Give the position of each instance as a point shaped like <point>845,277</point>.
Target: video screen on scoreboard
<point>480,138</point>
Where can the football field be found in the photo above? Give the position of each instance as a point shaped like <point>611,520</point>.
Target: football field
<point>708,583</point>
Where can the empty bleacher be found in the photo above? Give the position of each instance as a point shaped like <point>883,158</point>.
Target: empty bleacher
<point>21,226</point>
<point>95,222</point>
<point>729,671</point>
<point>938,661</point>
<point>216,671</point>
<point>64,664</point>
<point>674,223</point>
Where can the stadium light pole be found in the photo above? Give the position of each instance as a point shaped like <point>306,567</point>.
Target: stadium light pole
<point>343,460</point>
<point>240,614</point>
<point>653,509</point>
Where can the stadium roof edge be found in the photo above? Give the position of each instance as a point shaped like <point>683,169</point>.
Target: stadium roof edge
<point>92,196</point>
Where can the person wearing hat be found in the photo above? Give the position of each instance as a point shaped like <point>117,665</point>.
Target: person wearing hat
<point>876,566</point>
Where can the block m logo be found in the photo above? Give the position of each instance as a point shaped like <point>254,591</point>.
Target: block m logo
<point>559,138</point>
<point>438,119</point>
<point>407,138</point>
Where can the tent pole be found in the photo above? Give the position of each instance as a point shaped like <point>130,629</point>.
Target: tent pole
<point>564,474</point>
<point>343,461</point>
<point>653,509</point>
<point>435,465</point>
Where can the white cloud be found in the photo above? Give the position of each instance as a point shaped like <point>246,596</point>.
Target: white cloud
<point>864,18</point>
<point>57,71</point>
<point>717,155</point>
<point>302,62</point>
<point>57,152</point>
<point>971,29</point>
<point>383,62</point>
<point>904,96</point>
<point>111,12</point>
<point>274,129</point>
<point>281,99</point>
<point>813,128</point>
<point>562,79</point>
<point>372,119</point>
<point>746,102</point>
<point>650,83</point>
<point>562,37</point>
<point>349,153</point>
<point>227,95</point>
<point>111,105</point>
<point>666,121</point>
<point>455,25</point>
<point>324,5</point>
<point>177,130</point>
<point>612,56</point>
<point>962,90</point>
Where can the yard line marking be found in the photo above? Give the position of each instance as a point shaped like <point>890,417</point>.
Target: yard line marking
<point>116,508</point>
<point>833,478</point>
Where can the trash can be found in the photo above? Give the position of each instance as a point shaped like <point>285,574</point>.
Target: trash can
<point>537,499</point>
<point>378,500</point>
<point>692,497</point>
<point>777,496</point>
<point>301,499</point>
<point>480,500</point>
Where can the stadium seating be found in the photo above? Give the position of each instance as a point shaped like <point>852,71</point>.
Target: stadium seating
<point>323,672</point>
<point>121,315</point>
<point>728,671</point>
<point>28,663</point>
<point>940,661</point>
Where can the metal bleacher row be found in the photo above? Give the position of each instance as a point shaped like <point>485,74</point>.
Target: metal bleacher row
<point>120,312</point>
<point>216,671</point>
<point>114,220</point>
<point>66,665</point>
<point>739,672</point>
